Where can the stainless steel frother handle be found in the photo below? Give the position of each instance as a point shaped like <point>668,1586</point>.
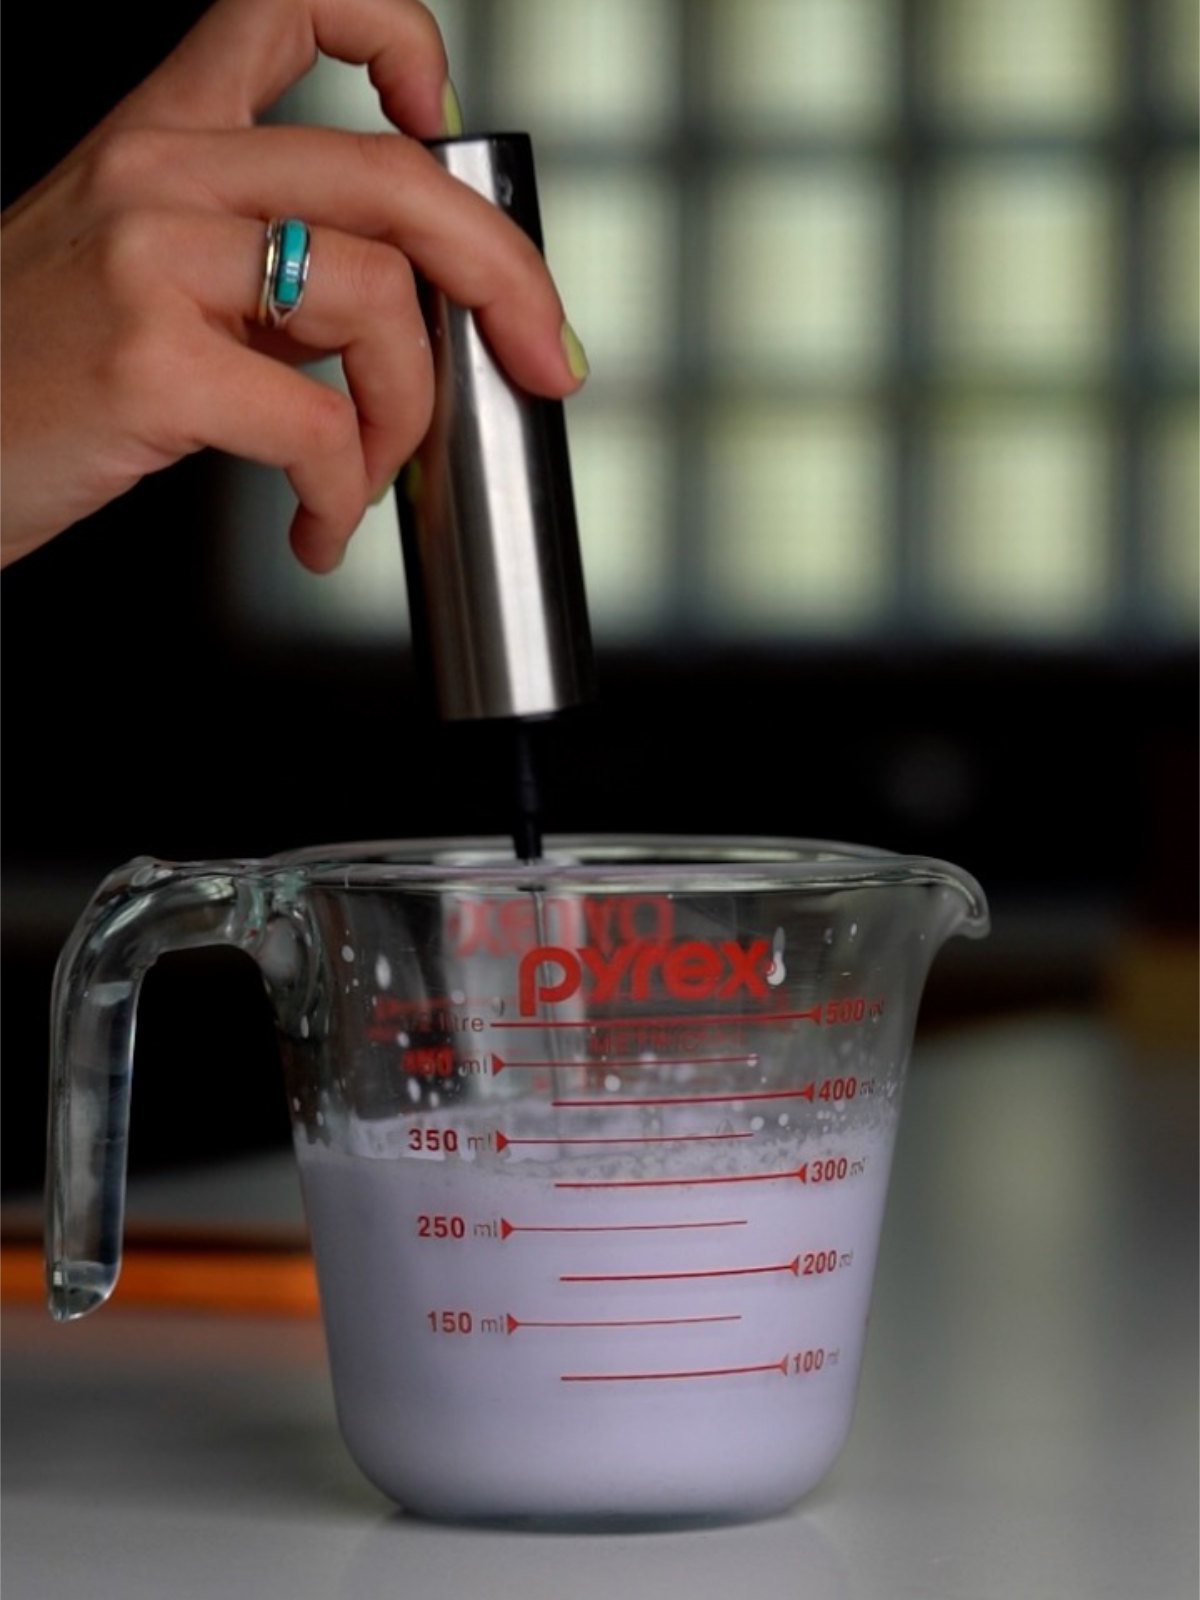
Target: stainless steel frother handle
<point>487,512</point>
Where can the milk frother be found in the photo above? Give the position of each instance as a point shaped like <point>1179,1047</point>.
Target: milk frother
<point>487,515</point>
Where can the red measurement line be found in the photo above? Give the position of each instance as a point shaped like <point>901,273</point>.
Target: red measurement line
<point>792,1266</point>
<point>663,1183</point>
<point>506,1063</point>
<point>813,1014</point>
<point>613,1227</point>
<point>513,1323</point>
<point>688,1099</point>
<point>695,1372</point>
<point>639,1138</point>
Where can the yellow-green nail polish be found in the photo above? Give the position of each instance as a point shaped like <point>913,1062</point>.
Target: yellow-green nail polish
<point>384,490</point>
<point>452,117</point>
<point>576,355</point>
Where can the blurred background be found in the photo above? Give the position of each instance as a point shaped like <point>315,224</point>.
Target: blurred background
<point>887,482</point>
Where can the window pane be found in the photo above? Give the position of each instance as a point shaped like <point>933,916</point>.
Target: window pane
<point>1020,539</point>
<point>1177,56</point>
<point>610,240</point>
<point>1023,269</point>
<point>800,272</point>
<point>1175,254</point>
<point>1045,63</point>
<point>606,68</point>
<point>1173,519</point>
<point>796,534</point>
<point>620,466</point>
<point>803,64</point>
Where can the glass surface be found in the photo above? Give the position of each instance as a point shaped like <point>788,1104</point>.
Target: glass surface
<point>594,1149</point>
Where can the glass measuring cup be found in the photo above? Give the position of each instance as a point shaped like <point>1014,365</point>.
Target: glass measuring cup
<point>594,1151</point>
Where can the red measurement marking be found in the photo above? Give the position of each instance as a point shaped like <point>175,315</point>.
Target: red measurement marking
<point>688,1099</point>
<point>800,1172</point>
<point>503,1141</point>
<point>694,1372</point>
<point>792,1266</point>
<point>813,1014</point>
<point>507,1064</point>
<point>513,1323</point>
<point>507,1228</point>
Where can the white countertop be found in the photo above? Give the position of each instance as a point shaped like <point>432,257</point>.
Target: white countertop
<point>1026,1424</point>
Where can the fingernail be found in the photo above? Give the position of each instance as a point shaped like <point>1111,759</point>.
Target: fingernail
<point>576,355</point>
<point>414,481</point>
<point>452,118</point>
<point>384,490</point>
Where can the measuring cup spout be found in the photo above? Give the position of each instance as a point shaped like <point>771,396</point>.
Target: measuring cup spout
<point>957,905</point>
<point>139,913</point>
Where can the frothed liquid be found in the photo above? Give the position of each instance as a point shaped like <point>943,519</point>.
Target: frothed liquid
<point>671,1330</point>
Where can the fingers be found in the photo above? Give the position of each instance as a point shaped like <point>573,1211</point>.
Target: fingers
<point>243,54</point>
<point>360,301</point>
<point>283,419</point>
<point>383,186</point>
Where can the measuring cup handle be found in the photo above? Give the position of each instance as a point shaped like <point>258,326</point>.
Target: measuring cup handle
<point>137,914</point>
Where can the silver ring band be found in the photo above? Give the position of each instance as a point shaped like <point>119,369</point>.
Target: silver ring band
<point>285,271</point>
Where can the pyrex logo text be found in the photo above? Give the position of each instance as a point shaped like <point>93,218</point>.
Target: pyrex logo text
<point>639,969</point>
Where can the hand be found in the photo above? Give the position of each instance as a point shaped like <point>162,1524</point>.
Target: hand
<point>131,277</point>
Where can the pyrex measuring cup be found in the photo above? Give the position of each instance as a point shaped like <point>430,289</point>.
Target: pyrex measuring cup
<point>594,1151</point>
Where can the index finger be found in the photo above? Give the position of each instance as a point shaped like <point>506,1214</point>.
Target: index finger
<point>243,54</point>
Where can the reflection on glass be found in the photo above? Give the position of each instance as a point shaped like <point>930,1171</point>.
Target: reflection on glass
<point>811,65</point>
<point>1024,269</point>
<point>1020,538</point>
<point>796,537</point>
<point>799,271</point>
<point>1008,63</point>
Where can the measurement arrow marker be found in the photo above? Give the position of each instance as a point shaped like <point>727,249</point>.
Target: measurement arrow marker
<point>503,1140</point>
<point>800,1172</point>
<point>513,1323</point>
<point>694,1372</point>
<point>507,1064</point>
<point>507,1228</point>
<point>792,1266</point>
<point>685,1099</point>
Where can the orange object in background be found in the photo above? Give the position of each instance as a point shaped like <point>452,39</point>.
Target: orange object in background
<point>219,1280</point>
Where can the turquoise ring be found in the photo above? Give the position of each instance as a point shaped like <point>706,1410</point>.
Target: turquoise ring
<point>285,271</point>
